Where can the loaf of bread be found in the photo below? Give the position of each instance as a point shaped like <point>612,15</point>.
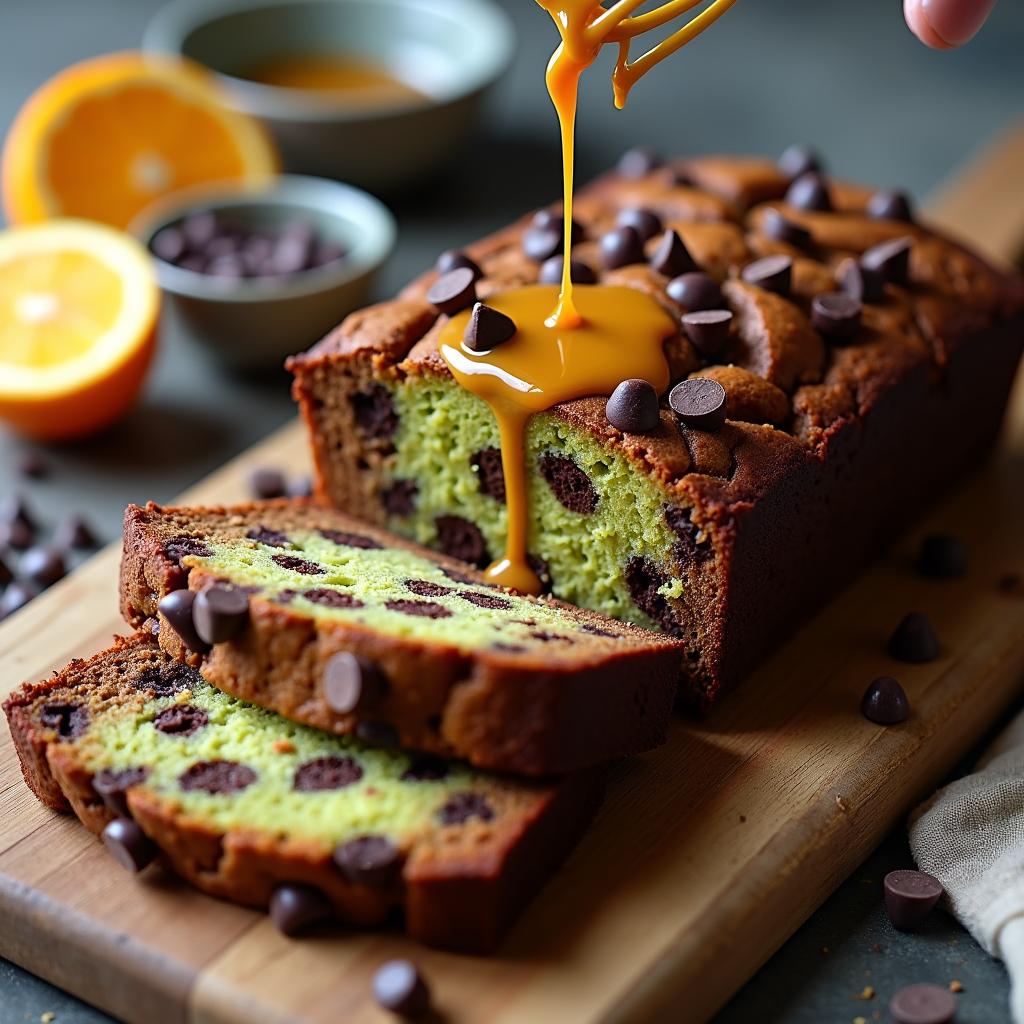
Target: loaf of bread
<point>345,628</point>
<point>250,807</point>
<point>845,416</point>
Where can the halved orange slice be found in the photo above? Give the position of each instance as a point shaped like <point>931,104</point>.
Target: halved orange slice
<point>78,314</point>
<point>105,138</point>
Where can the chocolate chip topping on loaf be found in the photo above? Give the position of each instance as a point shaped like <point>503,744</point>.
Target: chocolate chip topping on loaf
<point>338,625</point>
<point>250,807</point>
<point>866,362</point>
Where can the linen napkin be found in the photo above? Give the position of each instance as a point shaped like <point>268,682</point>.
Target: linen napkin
<point>970,836</point>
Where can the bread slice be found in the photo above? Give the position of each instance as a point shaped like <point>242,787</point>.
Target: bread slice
<point>448,663</point>
<point>250,807</point>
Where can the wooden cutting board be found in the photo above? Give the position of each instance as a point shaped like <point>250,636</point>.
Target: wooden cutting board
<point>705,858</point>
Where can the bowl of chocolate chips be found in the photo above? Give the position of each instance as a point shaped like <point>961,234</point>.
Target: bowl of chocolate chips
<point>258,273</point>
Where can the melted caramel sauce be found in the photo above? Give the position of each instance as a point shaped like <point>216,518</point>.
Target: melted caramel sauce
<point>348,79</point>
<point>570,342</point>
<point>621,334</point>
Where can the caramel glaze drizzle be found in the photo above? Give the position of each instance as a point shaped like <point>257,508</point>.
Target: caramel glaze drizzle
<point>612,333</point>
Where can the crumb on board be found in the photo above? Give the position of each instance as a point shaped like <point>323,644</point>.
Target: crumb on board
<point>48,1017</point>
<point>824,950</point>
<point>955,986</point>
<point>867,992</point>
<point>860,1020</point>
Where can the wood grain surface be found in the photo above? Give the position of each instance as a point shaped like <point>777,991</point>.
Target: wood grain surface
<point>707,854</point>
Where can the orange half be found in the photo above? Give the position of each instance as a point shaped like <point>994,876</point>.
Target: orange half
<point>106,138</point>
<point>78,313</point>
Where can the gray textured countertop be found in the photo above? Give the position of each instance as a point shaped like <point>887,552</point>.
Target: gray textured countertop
<point>846,76</point>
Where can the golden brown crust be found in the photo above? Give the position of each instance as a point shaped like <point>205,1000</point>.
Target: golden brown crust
<point>557,706</point>
<point>459,886</point>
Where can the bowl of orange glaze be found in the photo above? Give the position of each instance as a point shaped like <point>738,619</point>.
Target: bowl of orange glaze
<point>378,93</point>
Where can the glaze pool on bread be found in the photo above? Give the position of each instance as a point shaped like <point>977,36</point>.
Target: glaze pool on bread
<point>446,663</point>
<point>245,805</point>
<point>839,427</point>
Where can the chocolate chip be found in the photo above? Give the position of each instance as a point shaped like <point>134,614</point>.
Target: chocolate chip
<point>910,897</point>
<point>633,407</point>
<point>644,582</point>
<point>456,259</point>
<point>75,533</point>
<point>167,679</point>
<point>423,609</point>
<point>399,987</point>
<point>181,720</point>
<point>484,600</point>
<point>267,482</point>
<point>620,247</point>
<point>377,734</point>
<point>490,472</point>
<point>15,535</point>
<point>708,330</point>
<point>772,273</point>
<point>425,588</point>
<point>169,244</point>
<point>375,412</point>
<point>370,860</point>
<point>695,291</point>
<point>272,538</point>
<point>461,539</point>
<point>43,565</point>
<point>699,403</point>
<point>809,192</point>
<point>646,222</point>
<point>14,510</point>
<point>570,485</point>
<point>671,257</point>
<point>352,681</point>
<point>942,557</point>
<point>32,465</point>
<point>599,631</point>
<point>176,607</point>
<point>797,160</point>
<point>639,162</point>
<point>426,768</point>
<point>923,1004</point>
<point>890,259</point>
<point>331,598</point>
<point>546,637</point>
<point>299,486</point>
<point>487,329</point>
<point>454,291</point>
<point>15,597</point>
<point>462,807</point>
<point>217,777</point>
<point>325,773</point>
<point>296,908</point>
<point>778,226</point>
<point>220,612</point>
<point>579,272</point>
<point>70,720</point>
<point>400,498</point>
<point>112,784</point>
<point>837,316</point>
<point>508,648</point>
<point>885,702</point>
<point>914,640</point>
<point>351,540</point>
<point>295,564</point>
<point>859,282</point>
<point>129,845</point>
<point>690,547</point>
<point>540,244</point>
<point>178,548</point>
<point>554,220</point>
<point>889,204</point>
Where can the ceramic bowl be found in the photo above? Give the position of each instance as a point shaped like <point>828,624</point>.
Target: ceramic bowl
<point>255,323</point>
<point>451,51</point>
